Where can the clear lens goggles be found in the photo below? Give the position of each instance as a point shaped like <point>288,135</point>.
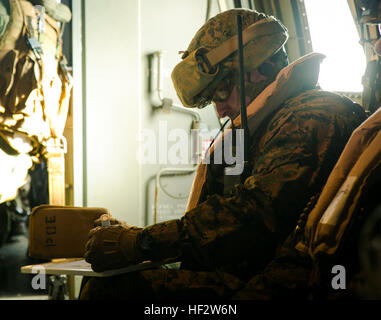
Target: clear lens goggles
<point>223,91</point>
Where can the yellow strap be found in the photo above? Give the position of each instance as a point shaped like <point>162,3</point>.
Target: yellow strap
<point>56,171</point>
<point>57,120</point>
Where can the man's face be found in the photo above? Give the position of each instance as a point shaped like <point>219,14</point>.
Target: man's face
<point>229,107</point>
<point>227,96</point>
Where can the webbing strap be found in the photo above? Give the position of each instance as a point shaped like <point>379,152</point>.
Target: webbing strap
<point>57,120</point>
<point>34,46</point>
<point>56,168</point>
<point>255,30</point>
<point>56,171</point>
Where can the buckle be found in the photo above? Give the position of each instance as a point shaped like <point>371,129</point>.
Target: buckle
<point>65,69</point>
<point>35,46</point>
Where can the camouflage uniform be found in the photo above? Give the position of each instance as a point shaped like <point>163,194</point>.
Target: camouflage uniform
<point>228,240</point>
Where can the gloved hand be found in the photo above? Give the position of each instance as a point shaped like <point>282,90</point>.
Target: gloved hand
<point>112,247</point>
<point>113,221</point>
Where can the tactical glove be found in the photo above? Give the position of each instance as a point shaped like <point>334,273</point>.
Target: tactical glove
<point>112,247</point>
<point>113,221</point>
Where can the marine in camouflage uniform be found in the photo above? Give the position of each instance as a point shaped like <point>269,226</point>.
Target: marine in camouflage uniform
<point>230,244</point>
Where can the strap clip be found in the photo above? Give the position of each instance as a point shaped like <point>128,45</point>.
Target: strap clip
<point>65,69</point>
<point>35,46</point>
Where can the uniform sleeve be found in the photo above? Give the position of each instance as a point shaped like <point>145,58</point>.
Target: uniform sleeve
<point>298,148</point>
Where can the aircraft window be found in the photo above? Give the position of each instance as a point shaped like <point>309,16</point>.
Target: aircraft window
<point>333,33</point>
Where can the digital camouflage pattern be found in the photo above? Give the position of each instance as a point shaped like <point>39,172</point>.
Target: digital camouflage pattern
<point>218,29</point>
<point>195,86</point>
<point>223,26</point>
<point>229,244</point>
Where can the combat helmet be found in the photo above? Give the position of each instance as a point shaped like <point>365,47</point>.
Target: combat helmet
<point>212,54</point>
